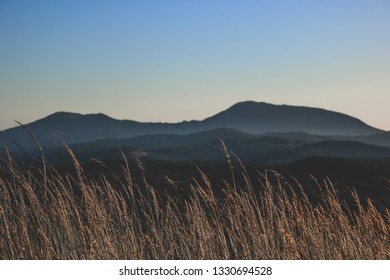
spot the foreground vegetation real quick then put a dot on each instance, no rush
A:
(48, 215)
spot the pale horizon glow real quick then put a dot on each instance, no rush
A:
(170, 61)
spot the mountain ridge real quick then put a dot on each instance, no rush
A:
(248, 117)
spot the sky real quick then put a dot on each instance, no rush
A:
(170, 61)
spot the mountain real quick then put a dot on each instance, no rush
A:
(259, 118)
(248, 117)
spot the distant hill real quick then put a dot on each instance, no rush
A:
(205, 146)
(248, 117)
(259, 118)
(160, 141)
(271, 150)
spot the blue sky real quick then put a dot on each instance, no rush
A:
(180, 60)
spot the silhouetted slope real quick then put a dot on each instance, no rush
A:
(67, 127)
(248, 117)
(261, 118)
(205, 146)
(271, 150)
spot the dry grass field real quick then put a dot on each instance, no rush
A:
(48, 215)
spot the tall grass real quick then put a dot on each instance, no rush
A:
(48, 215)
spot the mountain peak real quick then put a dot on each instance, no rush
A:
(69, 116)
(63, 115)
(250, 103)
